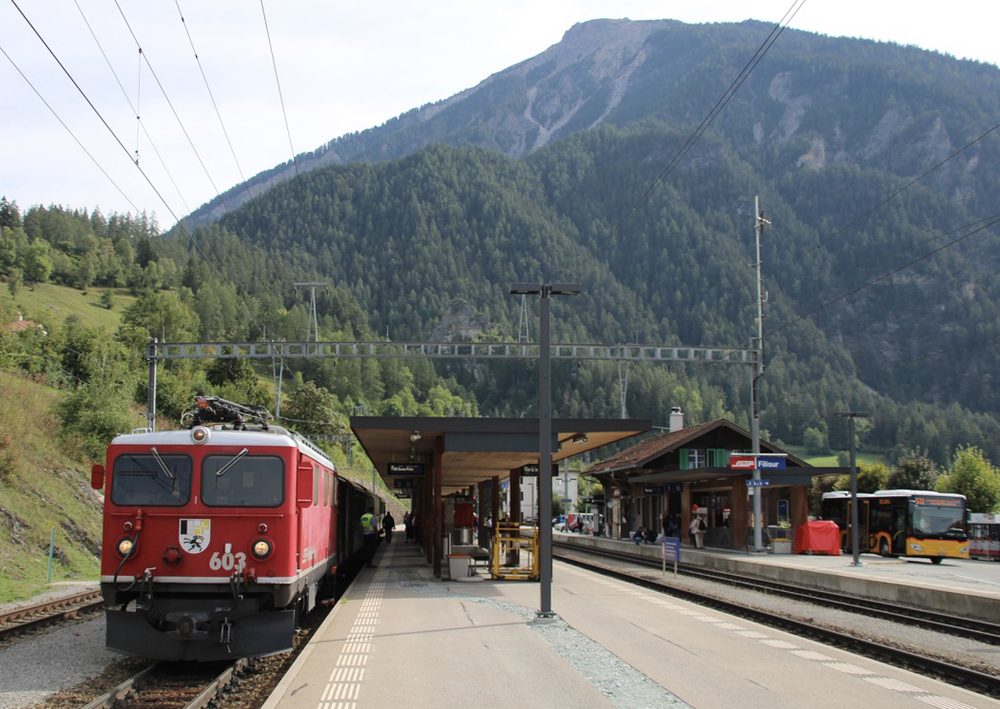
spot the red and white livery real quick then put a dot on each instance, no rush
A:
(216, 537)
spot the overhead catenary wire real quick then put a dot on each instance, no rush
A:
(215, 105)
(138, 167)
(710, 117)
(894, 271)
(277, 81)
(135, 109)
(68, 130)
(791, 396)
(905, 187)
(166, 97)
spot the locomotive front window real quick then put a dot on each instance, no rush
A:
(242, 481)
(151, 479)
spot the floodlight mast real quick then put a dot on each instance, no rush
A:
(544, 290)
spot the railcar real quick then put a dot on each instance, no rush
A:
(216, 537)
(984, 536)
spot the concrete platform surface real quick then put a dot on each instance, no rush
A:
(401, 637)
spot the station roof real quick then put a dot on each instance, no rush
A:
(477, 449)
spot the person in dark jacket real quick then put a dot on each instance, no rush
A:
(388, 524)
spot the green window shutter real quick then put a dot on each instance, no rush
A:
(684, 459)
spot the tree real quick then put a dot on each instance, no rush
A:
(972, 475)
(914, 471)
(37, 263)
(313, 409)
(93, 414)
(162, 315)
(235, 379)
(10, 216)
(815, 441)
(15, 279)
(871, 477)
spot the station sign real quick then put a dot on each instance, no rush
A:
(658, 489)
(749, 461)
(406, 468)
(531, 470)
(758, 483)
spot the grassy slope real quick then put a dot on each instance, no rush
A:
(46, 303)
(46, 486)
(830, 461)
(43, 489)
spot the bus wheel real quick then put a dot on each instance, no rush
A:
(883, 547)
(935, 559)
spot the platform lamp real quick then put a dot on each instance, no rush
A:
(544, 290)
(850, 416)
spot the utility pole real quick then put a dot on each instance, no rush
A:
(850, 416)
(622, 384)
(759, 222)
(312, 330)
(522, 325)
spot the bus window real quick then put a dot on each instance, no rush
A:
(938, 521)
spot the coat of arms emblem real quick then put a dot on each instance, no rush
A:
(195, 535)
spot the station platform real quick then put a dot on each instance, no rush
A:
(401, 637)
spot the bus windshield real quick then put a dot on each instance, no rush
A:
(151, 479)
(930, 521)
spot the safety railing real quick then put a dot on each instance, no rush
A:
(515, 555)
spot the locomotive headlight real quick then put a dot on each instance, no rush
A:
(125, 547)
(199, 434)
(261, 549)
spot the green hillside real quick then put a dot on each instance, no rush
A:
(43, 486)
(48, 303)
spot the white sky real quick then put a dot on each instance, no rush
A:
(344, 66)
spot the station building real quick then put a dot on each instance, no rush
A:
(686, 471)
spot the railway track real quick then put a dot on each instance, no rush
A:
(168, 685)
(30, 617)
(949, 624)
(951, 672)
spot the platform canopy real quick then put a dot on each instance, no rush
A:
(473, 450)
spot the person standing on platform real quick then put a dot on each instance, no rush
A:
(408, 526)
(693, 530)
(388, 524)
(369, 529)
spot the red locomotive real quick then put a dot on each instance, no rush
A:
(218, 536)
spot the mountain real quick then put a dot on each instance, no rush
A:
(623, 72)
(870, 160)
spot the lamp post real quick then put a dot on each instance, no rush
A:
(850, 416)
(544, 290)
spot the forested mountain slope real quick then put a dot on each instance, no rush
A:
(870, 303)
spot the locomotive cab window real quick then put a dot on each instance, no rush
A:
(152, 478)
(242, 480)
